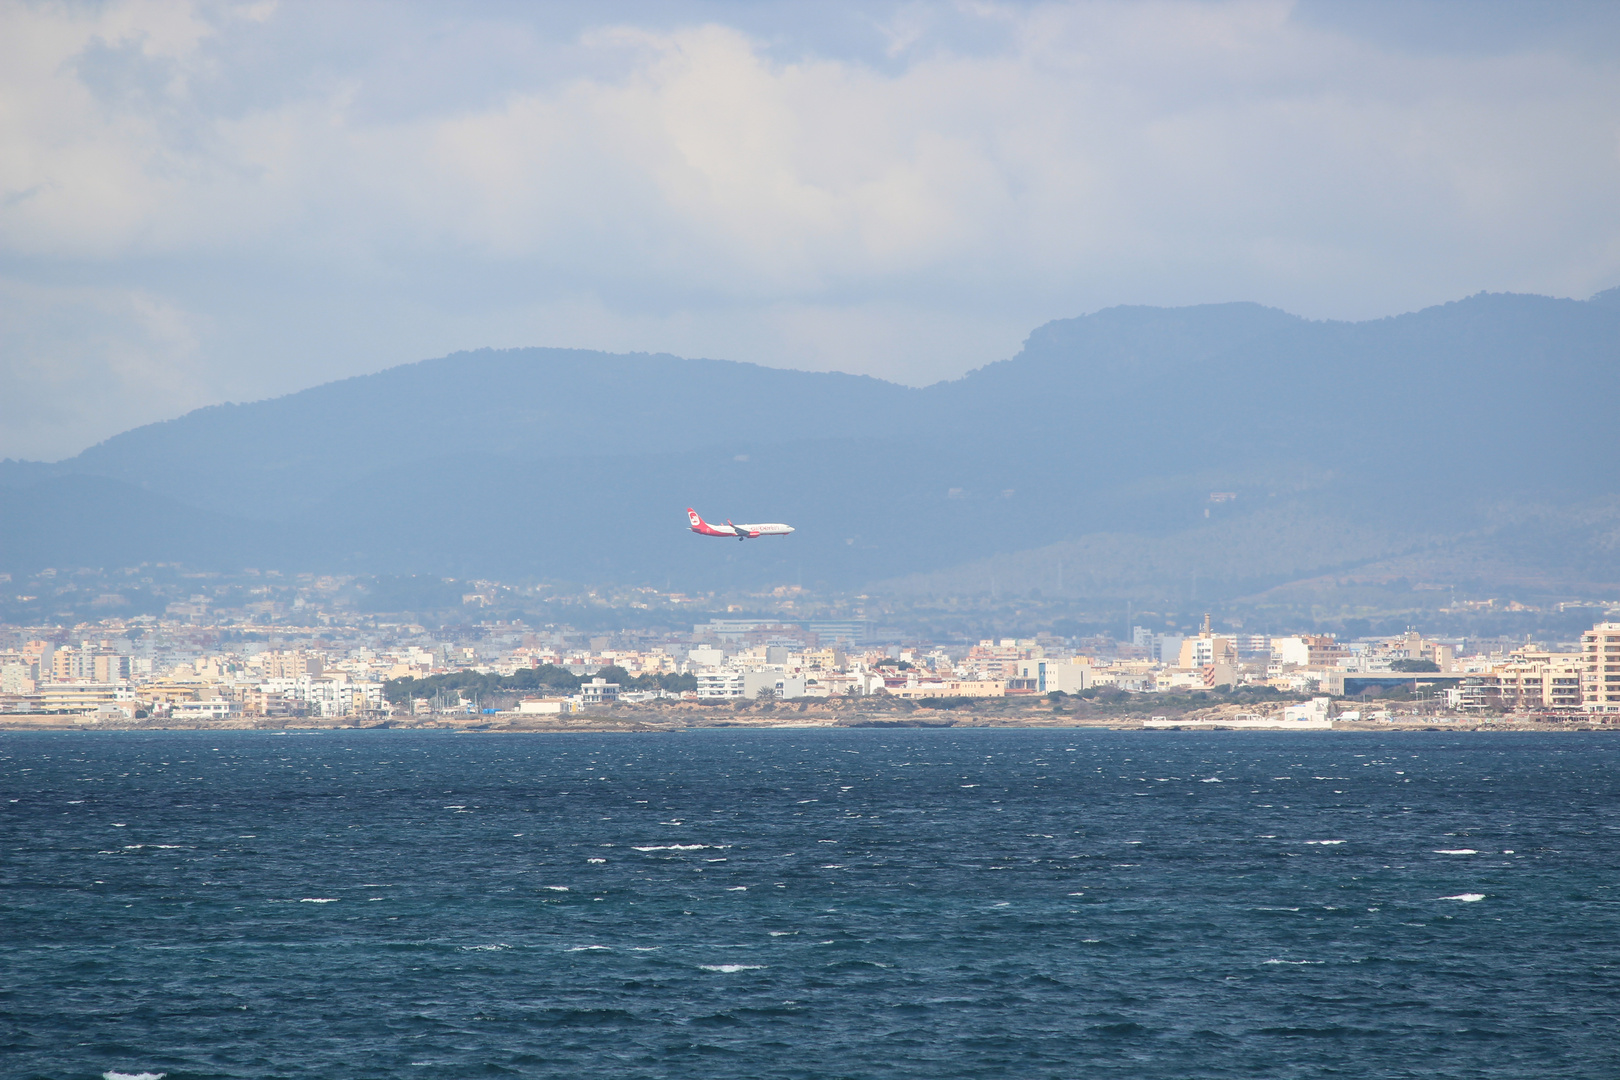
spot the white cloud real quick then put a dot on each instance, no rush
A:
(84, 362)
(333, 189)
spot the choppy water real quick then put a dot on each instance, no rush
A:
(810, 904)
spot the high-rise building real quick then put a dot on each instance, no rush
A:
(1600, 685)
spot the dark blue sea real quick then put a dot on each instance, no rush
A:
(796, 904)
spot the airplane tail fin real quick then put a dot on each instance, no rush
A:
(697, 521)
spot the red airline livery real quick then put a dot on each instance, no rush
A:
(728, 530)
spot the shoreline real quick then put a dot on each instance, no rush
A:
(684, 720)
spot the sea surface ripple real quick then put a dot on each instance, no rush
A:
(809, 903)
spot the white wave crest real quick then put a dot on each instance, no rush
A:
(1297, 963)
(728, 969)
(319, 900)
(1325, 843)
(1456, 851)
(1467, 897)
(670, 847)
(113, 1074)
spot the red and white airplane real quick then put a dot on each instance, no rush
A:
(741, 532)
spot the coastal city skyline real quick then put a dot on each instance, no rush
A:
(313, 659)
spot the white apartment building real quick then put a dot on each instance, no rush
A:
(724, 683)
(719, 683)
(782, 685)
(1312, 711)
(215, 709)
(330, 697)
(1048, 676)
(598, 692)
(705, 656)
(545, 706)
(16, 679)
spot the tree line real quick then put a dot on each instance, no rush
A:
(547, 678)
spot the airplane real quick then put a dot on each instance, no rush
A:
(741, 532)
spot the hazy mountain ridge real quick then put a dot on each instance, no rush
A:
(1345, 444)
(1291, 548)
(1238, 555)
(534, 402)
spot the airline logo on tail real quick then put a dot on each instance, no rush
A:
(728, 530)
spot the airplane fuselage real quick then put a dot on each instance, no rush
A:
(732, 531)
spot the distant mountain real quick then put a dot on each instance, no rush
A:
(521, 403)
(1607, 298)
(1333, 444)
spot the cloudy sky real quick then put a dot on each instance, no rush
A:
(203, 202)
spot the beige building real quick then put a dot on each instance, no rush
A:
(88, 665)
(926, 688)
(171, 693)
(1537, 681)
(82, 697)
(288, 664)
(1600, 682)
(824, 660)
(1308, 650)
(975, 687)
(1564, 685)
